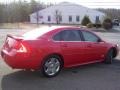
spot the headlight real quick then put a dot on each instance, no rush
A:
(117, 45)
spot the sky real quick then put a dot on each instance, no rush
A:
(87, 3)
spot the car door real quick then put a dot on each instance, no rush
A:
(94, 48)
(71, 46)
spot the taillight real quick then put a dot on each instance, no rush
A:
(22, 48)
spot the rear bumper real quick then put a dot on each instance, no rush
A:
(20, 60)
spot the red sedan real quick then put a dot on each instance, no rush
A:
(50, 49)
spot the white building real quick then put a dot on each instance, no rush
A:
(65, 13)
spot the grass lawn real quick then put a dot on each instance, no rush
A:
(18, 26)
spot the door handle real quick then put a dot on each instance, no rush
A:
(89, 45)
(64, 45)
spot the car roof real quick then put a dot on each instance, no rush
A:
(35, 33)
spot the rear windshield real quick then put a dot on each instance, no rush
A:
(34, 34)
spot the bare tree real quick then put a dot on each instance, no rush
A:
(112, 13)
(58, 16)
(19, 11)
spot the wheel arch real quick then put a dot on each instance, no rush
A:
(57, 54)
(114, 51)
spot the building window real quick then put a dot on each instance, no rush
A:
(49, 18)
(97, 20)
(70, 18)
(77, 18)
(60, 18)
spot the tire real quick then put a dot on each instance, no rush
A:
(52, 66)
(109, 57)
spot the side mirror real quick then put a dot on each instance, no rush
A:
(99, 40)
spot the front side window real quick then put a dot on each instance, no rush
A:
(88, 36)
(68, 35)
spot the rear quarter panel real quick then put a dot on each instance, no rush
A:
(41, 48)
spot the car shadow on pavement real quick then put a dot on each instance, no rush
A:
(87, 77)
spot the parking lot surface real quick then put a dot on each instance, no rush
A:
(97, 76)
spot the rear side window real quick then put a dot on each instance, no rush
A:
(68, 35)
(88, 36)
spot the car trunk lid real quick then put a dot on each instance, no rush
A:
(13, 42)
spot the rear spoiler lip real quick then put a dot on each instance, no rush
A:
(15, 37)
